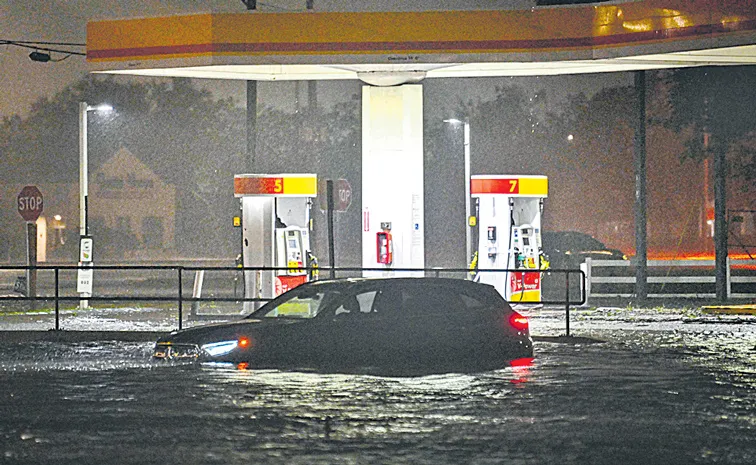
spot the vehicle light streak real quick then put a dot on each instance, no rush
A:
(521, 369)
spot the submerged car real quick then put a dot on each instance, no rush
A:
(388, 325)
(568, 249)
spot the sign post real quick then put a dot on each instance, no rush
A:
(338, 197)
(30, 204)
(85, 275)
(342, 195)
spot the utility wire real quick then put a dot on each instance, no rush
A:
(30, 45)
(30, 42)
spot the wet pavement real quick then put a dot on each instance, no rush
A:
(668, 386)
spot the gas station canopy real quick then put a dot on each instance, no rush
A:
(392, 48)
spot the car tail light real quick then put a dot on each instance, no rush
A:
(518, 322)
(244, 343)
(522, 362)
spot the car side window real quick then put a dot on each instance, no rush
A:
(356, 304)
(389, 302)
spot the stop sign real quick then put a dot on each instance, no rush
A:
(30, 203)
(342, 195)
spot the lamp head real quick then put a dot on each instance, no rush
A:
(103, 107)
(40, 57)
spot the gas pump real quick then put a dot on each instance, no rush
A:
(509, 210)
(527, 246)
(292, 249)
(276, 231)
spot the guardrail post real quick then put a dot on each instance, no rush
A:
(587, 268)
(57, 300)
(199, 278)
(567, 304)
(180, 298)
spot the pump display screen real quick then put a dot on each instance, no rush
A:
(525, 241)
(292, 244)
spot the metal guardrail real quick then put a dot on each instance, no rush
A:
(180, 297)
(591, 279)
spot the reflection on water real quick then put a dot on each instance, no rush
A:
(641, 398)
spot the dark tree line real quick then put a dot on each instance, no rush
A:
(187, 137)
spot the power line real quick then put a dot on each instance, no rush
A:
(31, 42)
(39, 54)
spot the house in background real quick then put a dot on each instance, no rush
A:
(131, 216)
(132, 212)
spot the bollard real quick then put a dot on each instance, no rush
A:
(180, 298)
(567, 304)
(57, 301)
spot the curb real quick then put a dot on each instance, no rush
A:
(747, 309)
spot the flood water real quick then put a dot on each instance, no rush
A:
(684, 394)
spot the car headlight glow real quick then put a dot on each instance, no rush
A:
(215, 349)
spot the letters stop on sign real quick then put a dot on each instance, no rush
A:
(30, 203)
(342, 195)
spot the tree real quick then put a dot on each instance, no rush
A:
(718, 101)
(191, 140)
(182, 133)
(324, 141)
(716, 104)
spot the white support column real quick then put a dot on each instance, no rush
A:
(392, 182)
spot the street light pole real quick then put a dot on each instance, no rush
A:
(83, 169)
(85, 291)
(84, 286)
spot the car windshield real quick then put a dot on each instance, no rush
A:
(304, 304)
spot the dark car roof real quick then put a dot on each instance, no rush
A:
(579, 245)
(419, 286)
(359, 283)
(570, 240)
